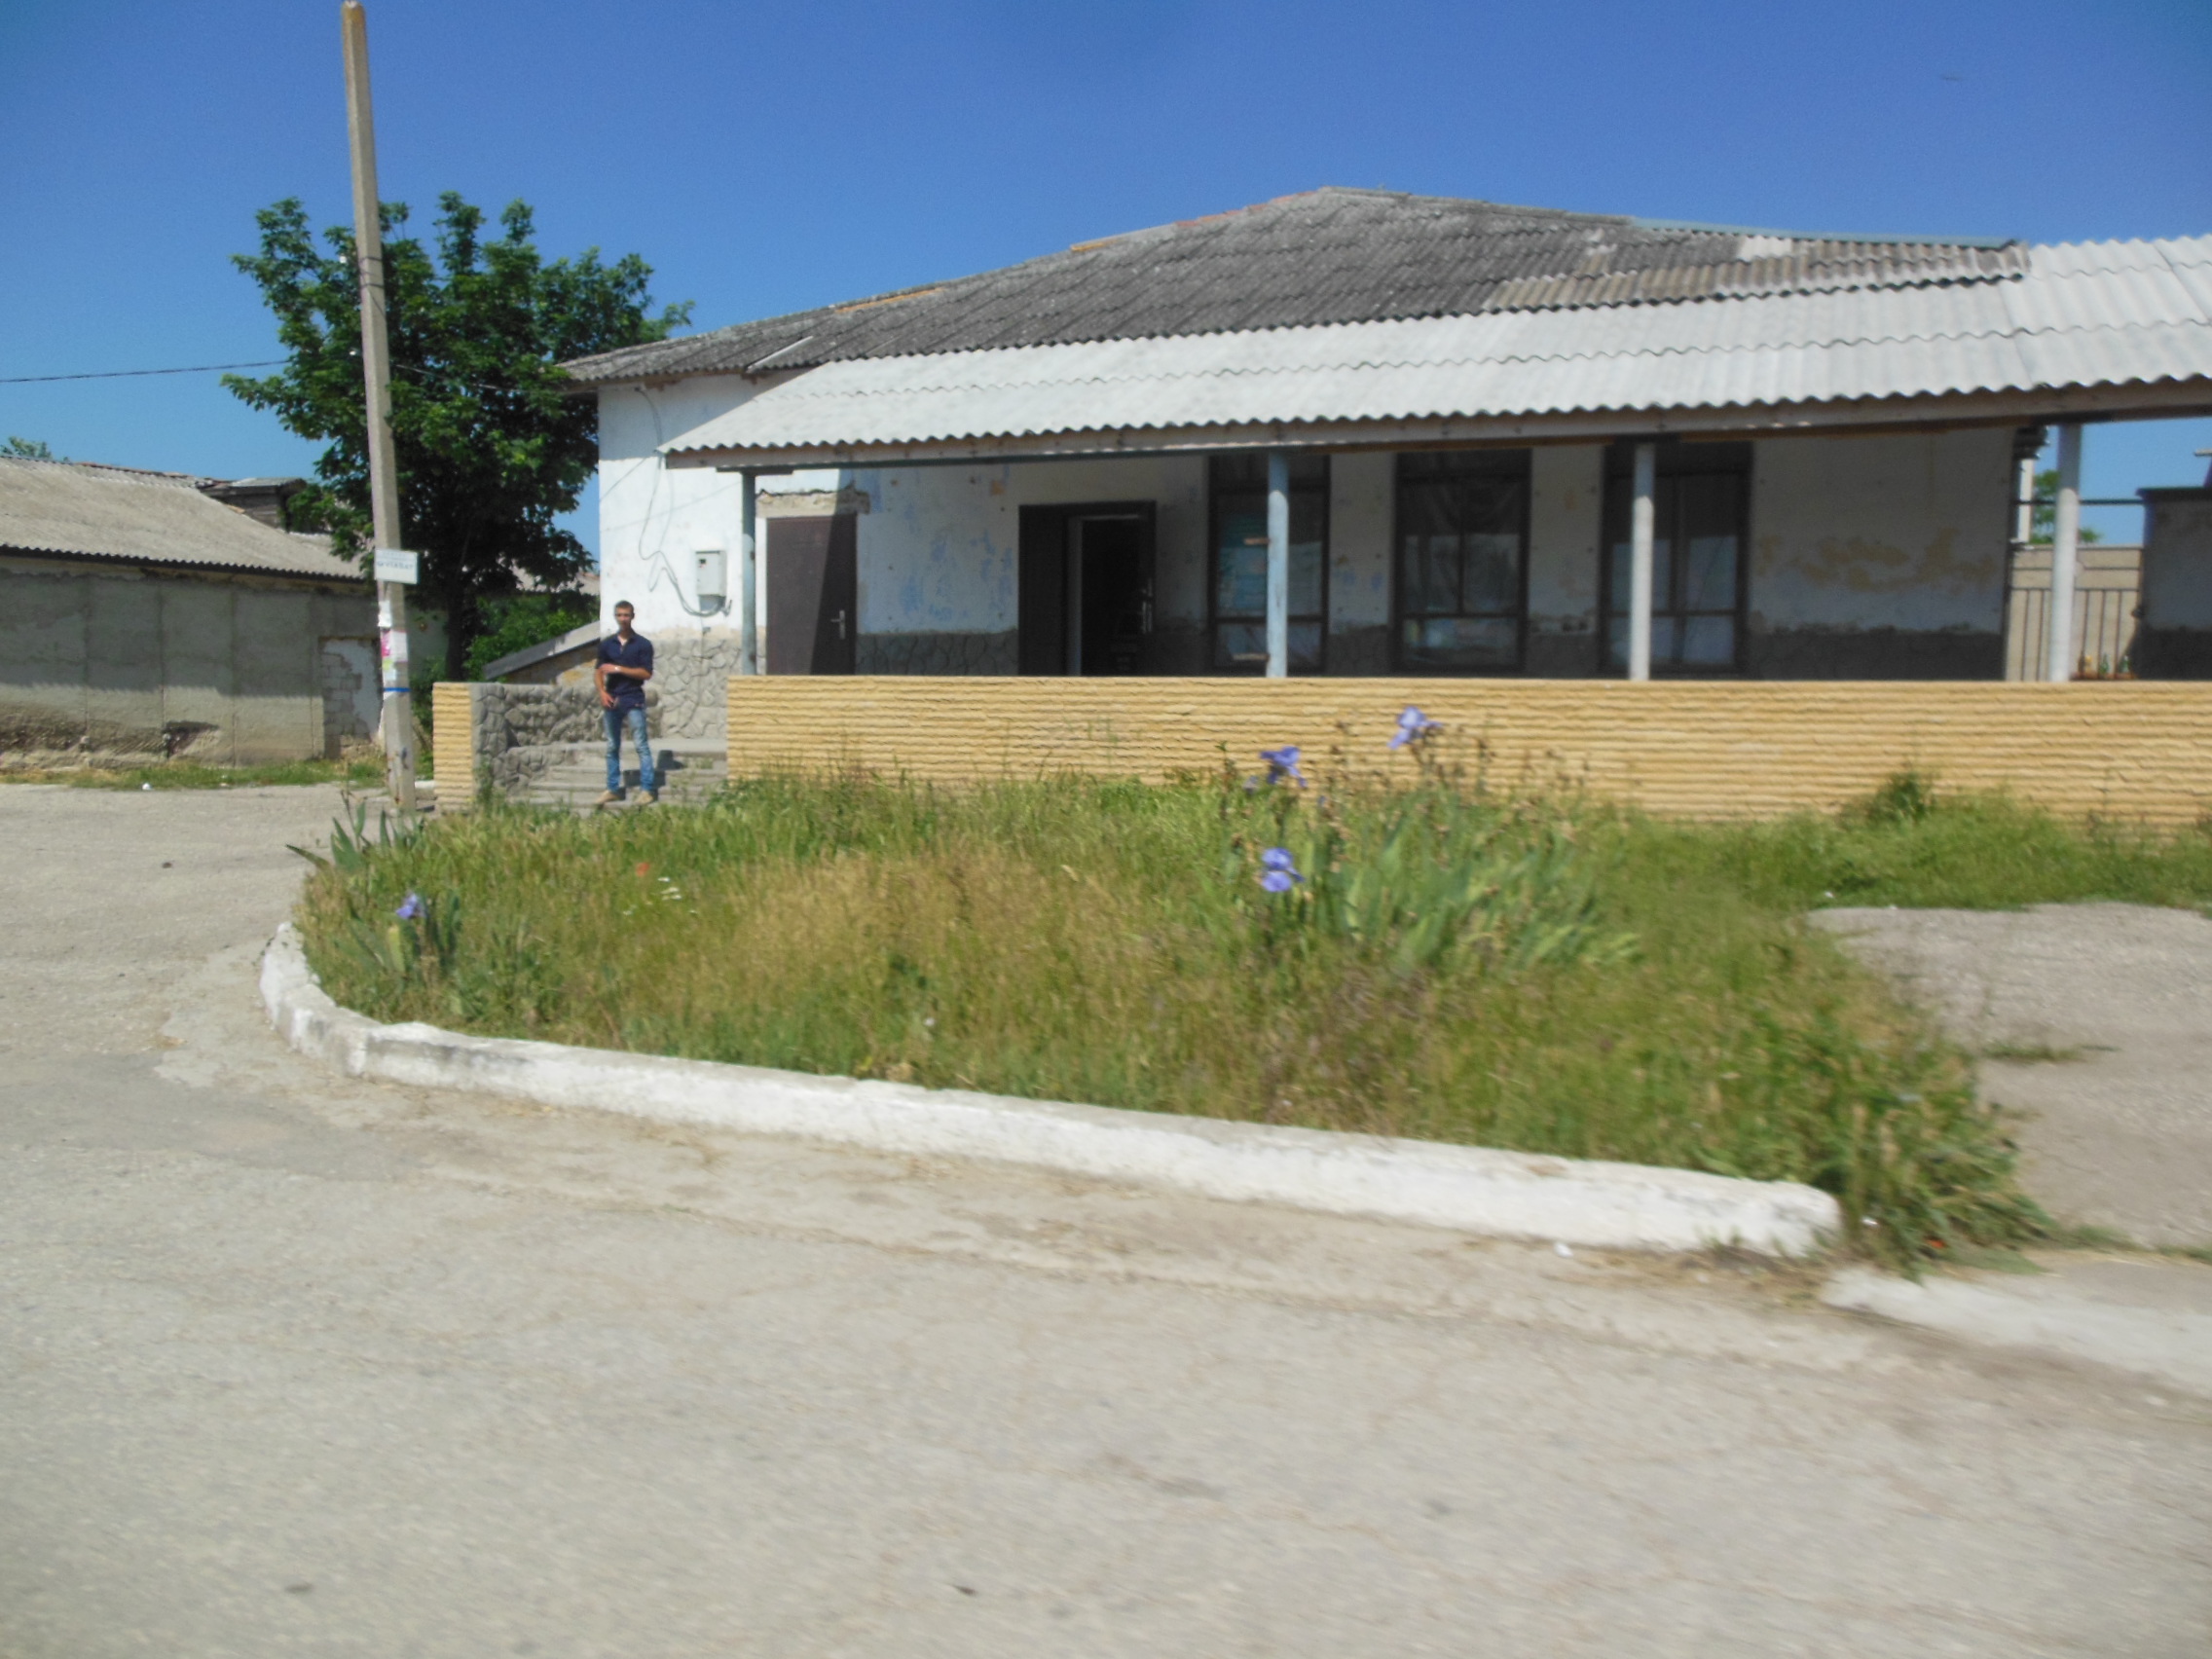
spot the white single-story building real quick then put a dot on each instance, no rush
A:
(1357, 432)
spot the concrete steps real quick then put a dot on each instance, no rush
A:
(687, 776)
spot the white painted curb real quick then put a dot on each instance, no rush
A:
(1628, 1207)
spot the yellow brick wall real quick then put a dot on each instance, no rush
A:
(452, 743)
(1697, 748)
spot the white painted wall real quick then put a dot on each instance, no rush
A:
(940, 547)
(1900, 531)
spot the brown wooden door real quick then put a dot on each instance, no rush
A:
(813, 594)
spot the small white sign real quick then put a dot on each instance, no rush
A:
(394, 565)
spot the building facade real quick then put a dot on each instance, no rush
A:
(1065, 468)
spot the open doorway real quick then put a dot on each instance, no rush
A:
(1085, 598)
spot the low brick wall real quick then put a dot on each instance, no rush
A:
(1701, 749)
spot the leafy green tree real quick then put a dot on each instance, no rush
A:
(26, 449)
(490, 448)
(2046, 525)
(525, 619)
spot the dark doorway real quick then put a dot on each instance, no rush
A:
(813, 594)
(1087, 588)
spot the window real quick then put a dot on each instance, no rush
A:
(1240, 496)
(1462, 561)
(1701, 503)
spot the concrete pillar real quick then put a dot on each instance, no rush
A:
(748, 589)
(1278, 564)
(2065, 555)
(1640, 523)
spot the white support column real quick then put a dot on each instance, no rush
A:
(2065, 555)
(1641, 522)
(1278, 564)
(748, 589)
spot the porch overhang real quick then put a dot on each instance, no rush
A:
(1851, 417)
(2079, 334)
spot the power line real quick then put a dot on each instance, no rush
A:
(125, 374)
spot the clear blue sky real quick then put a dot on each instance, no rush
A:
(769, 158)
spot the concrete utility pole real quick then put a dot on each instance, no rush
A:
(396, 729)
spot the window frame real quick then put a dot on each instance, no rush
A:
(1523, 460)
(1324, 488)
(1675, 459)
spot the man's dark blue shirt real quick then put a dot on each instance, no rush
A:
(628, 691)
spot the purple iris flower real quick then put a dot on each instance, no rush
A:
(410, 908)
(1278, 870)
(1412, 724)
(1283, 764)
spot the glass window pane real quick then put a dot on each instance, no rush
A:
(1240, 563)
(1244, 645)
(1306, 574)
(1709, 642)
(1662, 564)
(1494, 571)
(1663, 650)
(1711, 510)
(1240, 645)
(1428, 550)
(1459, 644)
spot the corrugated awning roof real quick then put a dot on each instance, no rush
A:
(156, 518)
(1327, 256)
(2105, 315)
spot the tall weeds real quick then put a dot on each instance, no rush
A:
(1410, 953)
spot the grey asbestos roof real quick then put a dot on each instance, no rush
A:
(2131, 316)
(158, 518)
(1324, 257)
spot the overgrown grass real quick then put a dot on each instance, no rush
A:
(191, 775)
(1609, 985)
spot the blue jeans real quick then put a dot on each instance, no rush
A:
(635, 719)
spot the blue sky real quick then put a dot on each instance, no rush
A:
(765, 159)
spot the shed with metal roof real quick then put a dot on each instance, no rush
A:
(142, 617)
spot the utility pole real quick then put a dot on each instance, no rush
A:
(397, 726)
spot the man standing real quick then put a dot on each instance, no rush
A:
(625, 664)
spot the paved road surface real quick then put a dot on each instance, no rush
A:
(291, 1366)
(2119, 1133)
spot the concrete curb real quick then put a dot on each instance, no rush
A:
(2172, 1344)
(1472, 1189)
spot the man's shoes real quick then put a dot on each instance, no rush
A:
(610, 798)
(649, 797)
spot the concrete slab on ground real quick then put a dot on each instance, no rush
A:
(2116, 1126)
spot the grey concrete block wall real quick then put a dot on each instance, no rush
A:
(107, 661)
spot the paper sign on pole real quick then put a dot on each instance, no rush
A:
(394, 565)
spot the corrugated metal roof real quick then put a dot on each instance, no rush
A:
(1328, 256)
(2105, 316)
(114, 512)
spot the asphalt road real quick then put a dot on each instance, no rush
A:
(2114, 1112)
(296, 1366)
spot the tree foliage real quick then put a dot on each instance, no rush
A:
(25, 448)
(490, 447)
(2046, 525)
